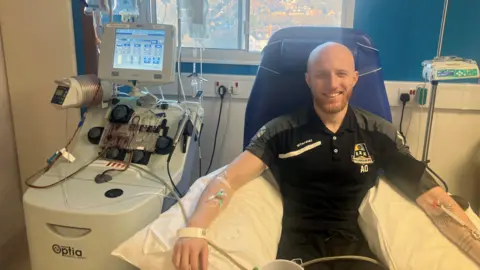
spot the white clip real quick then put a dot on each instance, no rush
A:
(67, 155)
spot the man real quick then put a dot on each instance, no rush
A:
(325, 158)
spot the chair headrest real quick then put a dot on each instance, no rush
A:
(290, 54)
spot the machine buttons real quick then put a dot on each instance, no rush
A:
(141, 157)
(138, 156)
(95, 134)
(112, 153)
(121, 114)
(114, 193)
(163, 145)
(115, 154)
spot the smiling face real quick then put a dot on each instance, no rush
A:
(331, 77)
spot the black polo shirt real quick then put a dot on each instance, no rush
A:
(324, 176)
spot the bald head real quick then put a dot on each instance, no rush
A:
(331, 77)
(328, 50)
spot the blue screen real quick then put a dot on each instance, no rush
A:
(139, 49)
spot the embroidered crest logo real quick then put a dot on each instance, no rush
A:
(361, 155)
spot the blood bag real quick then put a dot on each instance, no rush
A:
(96, 6)
(126, 7)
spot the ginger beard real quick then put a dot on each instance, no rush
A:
(332, 102)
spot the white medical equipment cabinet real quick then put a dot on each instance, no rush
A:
(105, 187)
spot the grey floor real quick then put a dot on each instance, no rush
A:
(19, 259)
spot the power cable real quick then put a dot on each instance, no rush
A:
(222, 90)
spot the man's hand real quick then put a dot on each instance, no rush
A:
(190, 254)
(460, 235)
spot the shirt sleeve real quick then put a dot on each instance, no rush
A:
(401, 169)
(264, 144)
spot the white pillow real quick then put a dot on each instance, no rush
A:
(403, 237)
(248, 229)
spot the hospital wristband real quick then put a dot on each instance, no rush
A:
(191, 232)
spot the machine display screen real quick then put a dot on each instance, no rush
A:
(59, 92)
(457, 73)
(60, 95)
(139, 49)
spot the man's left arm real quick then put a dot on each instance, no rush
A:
(412, 178)
(434, 202)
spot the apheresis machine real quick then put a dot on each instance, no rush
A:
(130, 150)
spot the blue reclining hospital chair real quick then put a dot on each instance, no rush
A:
(280, 85)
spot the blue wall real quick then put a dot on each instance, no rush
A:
(78, 32)
(405, 31)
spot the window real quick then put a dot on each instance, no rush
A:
(269, 16)
(222, 23)
(239, 29)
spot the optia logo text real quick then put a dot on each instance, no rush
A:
(67, 251)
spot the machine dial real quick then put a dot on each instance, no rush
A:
(138, 156)
(121, 114)
(95, 134)
(113, 153)
(163, 145)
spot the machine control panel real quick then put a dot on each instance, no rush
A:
(140, 134)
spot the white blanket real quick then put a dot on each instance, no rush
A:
(398, 232)
(403, 236)
(249, 229)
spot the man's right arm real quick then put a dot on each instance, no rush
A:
(191, 253)
(218, 193)
(259, 155)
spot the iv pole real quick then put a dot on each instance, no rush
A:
(433, 95)
(179, 59)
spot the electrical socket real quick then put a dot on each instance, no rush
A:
(232, 87)
(410, 92)
(421, 97)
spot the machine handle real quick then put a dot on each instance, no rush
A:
(67, 231)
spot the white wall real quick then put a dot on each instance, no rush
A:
(39, 48)
(454, 147)
(11, 211)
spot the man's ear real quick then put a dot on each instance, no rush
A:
(307, 78)
(355, 78)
